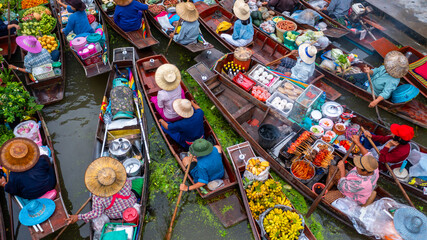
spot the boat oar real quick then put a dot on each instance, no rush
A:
(142, 128)
(107, 121)
(328, 184)
(11, 216)
(9, 44)
(78, 211)
(391, 172)
(174, 32)
(373, 98)
(278, 60)
(169, 233)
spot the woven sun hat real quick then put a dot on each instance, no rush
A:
(36, 211)
(396, 64)
(307, 53)
(367, 162)
(168, 77)
(123, 3)
(29, 44)
(241, 10)
(201, 147)
(183, 108)
(410, 223)
(19, 154)
(105, 177)
(187, 11)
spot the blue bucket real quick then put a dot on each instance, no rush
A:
(404, 93)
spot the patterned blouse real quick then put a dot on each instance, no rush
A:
(33, 60)
(358, 187)
(100, 204)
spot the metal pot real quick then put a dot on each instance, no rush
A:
(332, 110)
(120, 149)
(133, 167)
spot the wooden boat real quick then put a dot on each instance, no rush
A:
(4, 45)
(124, 59)
(239, 169)
(96, 66)
(135, 37)
(413, 111)
(194, 47)
(2, 226)
(146, 71)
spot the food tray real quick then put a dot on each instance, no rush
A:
(320, 141)
(271, 85)
(246, 83)
(305, 100)
(300, 179)
(289, 92)
(283, 154)
(282, 96)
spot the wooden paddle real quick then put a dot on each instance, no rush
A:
(78, 211)
(328, 184)
(391, 172)
(9, 44)
(169, 233)
(373, 97)
(174, 32)
(278, 60)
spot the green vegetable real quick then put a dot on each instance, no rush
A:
(254, 15)
(5, 134)
(257, 22)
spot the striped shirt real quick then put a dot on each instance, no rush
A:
(33, 60)
(100, 204)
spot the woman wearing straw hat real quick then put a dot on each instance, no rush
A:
(190, 127)
(36, 56)
(128, 14)
(112, 192)
(385, 79)
(78, 22)
(190, 26)
(302, 68)
(243, 32)
(168, 78)
(31, 175)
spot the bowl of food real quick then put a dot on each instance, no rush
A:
(329, 135)
(317, 130)
(303, 170)
(326, 124)
(339, 128)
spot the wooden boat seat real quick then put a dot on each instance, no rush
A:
(370, 199)
(243, 110)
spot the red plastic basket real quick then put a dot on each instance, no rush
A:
(244, 82)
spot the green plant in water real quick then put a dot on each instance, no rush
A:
(226, 208)
(223, 233)
(6, 75)
(5, 134)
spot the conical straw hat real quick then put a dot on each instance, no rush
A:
(187, 11)
(19, 154)
(105, 177)
(241, 10)
(183, 108)
(168, 77)
(396, 64)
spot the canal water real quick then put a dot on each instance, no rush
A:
(72, 125)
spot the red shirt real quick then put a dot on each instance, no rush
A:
(396, 155)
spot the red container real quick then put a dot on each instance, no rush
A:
(130, 215)
(244, 82)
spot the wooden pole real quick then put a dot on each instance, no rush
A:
(174, 32)
(12, 228)
(373, 98)
(391, 172)
(9, 44)
(278, 60)
(78, 211)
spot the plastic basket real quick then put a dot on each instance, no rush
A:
(271, 86)
(244, 82)
(288, 43)
(107, 225)
(43, 72)
(281, 96)
(285, 208)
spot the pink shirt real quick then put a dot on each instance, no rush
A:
(358, 187)
(165, 100)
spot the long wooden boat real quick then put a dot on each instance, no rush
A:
(413, 111)
(98, 67)
(4, 45)
(146, 72)
(239, 168)
(137, 37)
(124, 59)
(2, 226)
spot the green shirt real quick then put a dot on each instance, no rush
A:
(383, 83)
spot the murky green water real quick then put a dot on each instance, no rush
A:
(72, 124)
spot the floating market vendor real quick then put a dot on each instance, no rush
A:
(112, 192)
(243, 30)
(128, 14)
(31, 174)
(385, 79)
(168, 78)
(187, 129)
(394, 148)
(13, 26)
(206, 167)
(302, 68)
(78, 22)
(337, 9)
(358, 184)
(283, 5)
(189, 31)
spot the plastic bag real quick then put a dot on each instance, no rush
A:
(28, 129)
(260, 177)
(307, 16)
(328, 65)
(99, 222)
(318, 4)
(419, 169)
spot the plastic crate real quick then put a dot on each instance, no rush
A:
(271, 86)
(244, 82)
(43, 72)
(281, 96)
(323, 57)
(107, 225)
(304, 103)
(290, 44)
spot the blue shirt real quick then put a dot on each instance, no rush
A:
(243, 31)
(302, 71)
(77, 22)
(383, 83)
(129, 18)
(188, 129)
(208, 168)
(188, 34)
(339, 8)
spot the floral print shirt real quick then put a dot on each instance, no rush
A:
(358, 187)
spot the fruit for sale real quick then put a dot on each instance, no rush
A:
(48, 42)
(282, 224)
(255, 166)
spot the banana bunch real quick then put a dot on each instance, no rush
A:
(282, 224)
(255, 166)
(256, 208)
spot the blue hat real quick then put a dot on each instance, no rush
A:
(410, 223)
(36, 211)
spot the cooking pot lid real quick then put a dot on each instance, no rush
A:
(332, 109)
(120, 146)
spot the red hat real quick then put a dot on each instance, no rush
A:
(403, 131)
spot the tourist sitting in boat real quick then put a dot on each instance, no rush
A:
(112, 192)
(243, 30)
(394, 148)
(187, 129)
(168, 78)
(189, 31)
(78, 22)
(283, 5)
(128, 14)
(338, 9)
(31, 174)
(36, 56)
(358, 184)
(302, 68)
(385, 79)
(205, 167)
(13, 26)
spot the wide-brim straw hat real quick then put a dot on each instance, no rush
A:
(201, 147)
(367, 162)
(187, 11)
(183, 108)
(410, 223)
(168, 77)
(29, 44)
(123, 3)
(105, 177)
(19, 154)
(241, 10)
(396, 64)
(307, 53)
